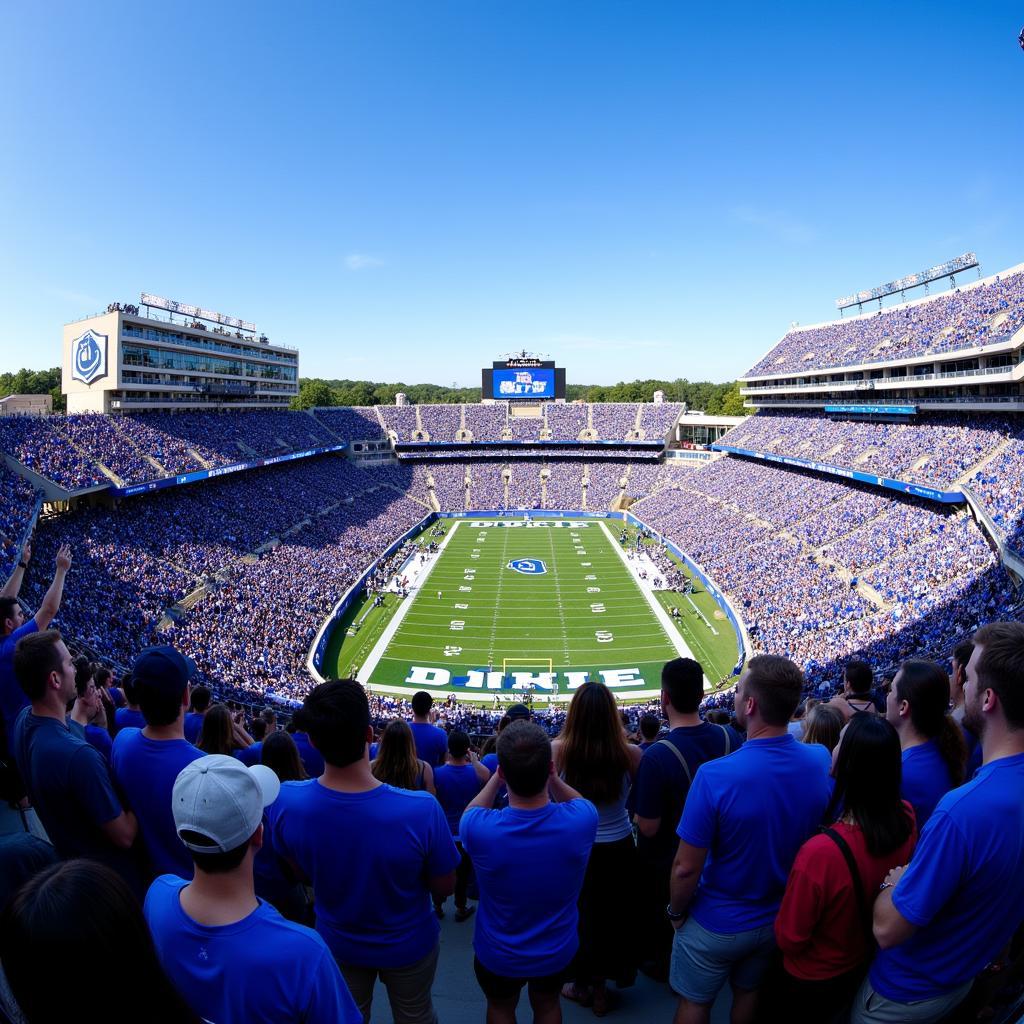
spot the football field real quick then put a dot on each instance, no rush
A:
(510, 605)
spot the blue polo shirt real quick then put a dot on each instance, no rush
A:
(752, 811)
(925, 779)
(963, 889)
(251, 754)
(431, 742)
(530, 867)
(145, 771)
(456, 785)
(12, 696)
(69, 784)
(369, 856)
(261, 970)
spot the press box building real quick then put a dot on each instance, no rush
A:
(167, 355)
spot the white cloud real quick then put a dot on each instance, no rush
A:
(362, 261)
(776, 222)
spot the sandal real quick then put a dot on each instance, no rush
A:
(585, 997)
(463, 913)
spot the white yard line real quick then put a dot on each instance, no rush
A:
(674, 636)
(367, 668)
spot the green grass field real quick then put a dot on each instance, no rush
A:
(584, 613)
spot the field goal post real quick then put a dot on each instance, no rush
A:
(534, 664)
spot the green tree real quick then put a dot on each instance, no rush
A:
(732, 403)
(313, 391)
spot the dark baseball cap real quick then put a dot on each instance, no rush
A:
(163, 669)
(518, 711)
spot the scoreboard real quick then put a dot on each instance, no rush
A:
(523, 377)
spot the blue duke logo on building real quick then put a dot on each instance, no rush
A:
(89, 357)
(527, 566)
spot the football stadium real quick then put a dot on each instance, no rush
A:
(326, 702)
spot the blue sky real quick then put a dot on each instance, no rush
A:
(405, 190)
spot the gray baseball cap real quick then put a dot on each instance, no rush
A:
(220, 798)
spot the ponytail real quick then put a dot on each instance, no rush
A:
(953, 749)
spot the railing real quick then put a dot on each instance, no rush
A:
(984, 371)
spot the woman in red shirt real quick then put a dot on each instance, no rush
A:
(824, 924)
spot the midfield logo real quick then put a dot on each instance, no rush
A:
(528, 566)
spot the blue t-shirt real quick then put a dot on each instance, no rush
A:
(251, 754)
(925, 779)
(100, 739)
(661, 784)
(128, 718)
(456, 785)
(12, 696)
(431, 742)
(369, 856)
(69, 784)
(963, 889)
(260, 970)
(193, 726)
(530, 867)
(311, 759)
(490, 762)
(752, 811)
(145, 771)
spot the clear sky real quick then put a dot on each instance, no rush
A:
(405, 190)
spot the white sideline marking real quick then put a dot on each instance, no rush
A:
(675, 638)
(367, 668)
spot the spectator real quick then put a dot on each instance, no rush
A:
(233, 956)
(431, 742)
(957, 680)
(201, 697)
(276, 881)
(311, 758)
(218, 734)
(130, 716)
(253, 754)
(824, 923)
(13, 626)
(92, 704)
(933, 747)
(396, 762)
(457, 782)
(941, 919)
(858, 681)
(531, 941)
(768, 796)
(147, 761)
(490, 758)
(663, 781)
(375, 856)
(85, 908)
(650, 726)
(66, 778)
(594, 757)
(823, 725)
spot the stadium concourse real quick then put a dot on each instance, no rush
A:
(875, 552)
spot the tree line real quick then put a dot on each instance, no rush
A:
(714, 399)
(34, 382)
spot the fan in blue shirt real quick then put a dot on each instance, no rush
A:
(232, 956)
(147, 761)
(745, 818)
(431, 742)
(941, 919)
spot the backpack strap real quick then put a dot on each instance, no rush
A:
(858, 887)
(679, 755)
(728, 740)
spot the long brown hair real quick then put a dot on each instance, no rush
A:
(217, 735)
(593, 752)
(280, 754)
(396, 762)
(925, 686)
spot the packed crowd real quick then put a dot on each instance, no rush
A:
(965, 318)
(69, 450)
(17, 505)
(351, 423)
(789, 548)
(241, 871)
(935, 450)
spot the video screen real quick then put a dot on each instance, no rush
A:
(533, 383)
